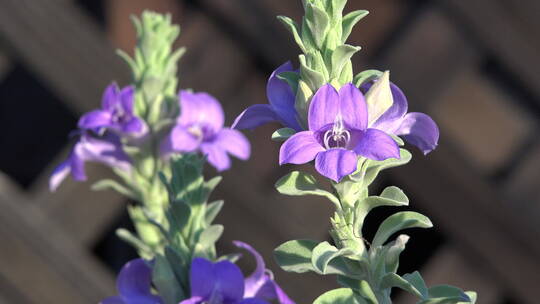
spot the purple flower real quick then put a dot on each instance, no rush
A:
(338, 133)
(281, 107)
(134, 285)
(106, 149)
(116, 113)
(200, 127)
(223, 283)
(416, 128)
(260, 284)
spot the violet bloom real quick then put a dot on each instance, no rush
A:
(200, 127)
(223, 283)
(338, 133)
(281, 107)
(416, 128)
(106, 149)
(116, 113)
(134, 285)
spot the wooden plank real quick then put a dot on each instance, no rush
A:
(517, 48)
(37, 254)
(449, 266)
(482, 119)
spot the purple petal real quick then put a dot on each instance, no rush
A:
(420, 130)
(258, 278)
(390, 120)
(234, 143)
(254, 116)
(134, 126)
(324, 107)
(181, 140)
(126, 97)
(216, 155)
(271, 291)
(95, 119)
(336, 163)
(200, 109)
(229, 281)
(202, 278)
(282, 98)
(192, 300)
(253, 301)
(377, 145)
(113, 300)
(110, 97)
(76, 162)
(300, 148)
(106, 150)
(58, 175)
(135, 279)
(353, 108)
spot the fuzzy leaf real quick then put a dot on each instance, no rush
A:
(165, 281)
(299, 183)
(366, 76)
(212, 210)
(283, 134)
(109, 184)
(339, 296)
(393, 280)
(394, 251)
(379, 97)
(341, 55)
(292, 26)
(324, 253)
(372, 168)
(349, 21)
(367, 293)
(210, 236)
(397, 222)
(318, 23)
(445, 294)
(314, 79)
(291, 78)
(295, 256)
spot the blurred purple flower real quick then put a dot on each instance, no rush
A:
(134, 285)
(223, 283)
(116, 113)
(260, 283)
(200, 127)
(281, 107)
(416, 128)
(106, 149)
(338, 133)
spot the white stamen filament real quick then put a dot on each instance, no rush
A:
(338, 134)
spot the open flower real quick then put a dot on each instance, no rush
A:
(134, 285)
(281, 107)
(116, 113)
(223, 283)
(416, 128)
(106, 149)
(200, 127)
(338, 133)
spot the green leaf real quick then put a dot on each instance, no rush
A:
(341, 55)
(318, 23)
(346, 73)
(210, 236)
(295, 256)
(179, 265)
(367, 293)
(445, 294)
(416, 280)
(128, 237)
(283, 134)
(292, 26)
(394, 251)
(349, 21)
(212, 210)
(379, 98)
(391, 196)
(165, 281)
(324, 253)
(366, 76)
(178, 216)
(109, 184)
(299, 183)
(372, 167)
(393, 280)
(301, 103)
(339, 296)
(472, 295)
(314, 79)
(291, 78)
(397, 222)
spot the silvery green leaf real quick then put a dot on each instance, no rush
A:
(391, 196)
(299, 183)
(393, 280)
(312, 78)
(397, 222)
(212, 210)
(337, 7)
(324, 253)
(349, 21)
(394, 250)
(178, 216)
(165, 281)
(339, 296)
(472, 295)
(125, 235)
(366, 76)
(372, 168)
(301, 104)
(295, 256)
(232, 257)
(379, 98)
(346, 75)
(418, 282)
(292, 26)
(318, 22)
(445, 294)
(283, 134)
(367, 293)
(109, 184)
(179, 265)
(341, 55)
(291, 78)
(210, 236)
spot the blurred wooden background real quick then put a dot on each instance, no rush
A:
(473, 65)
